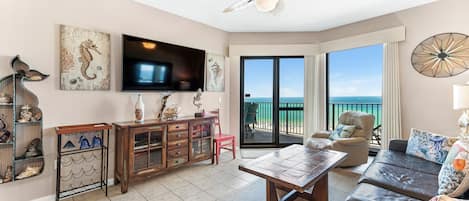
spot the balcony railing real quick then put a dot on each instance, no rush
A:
(291, 117)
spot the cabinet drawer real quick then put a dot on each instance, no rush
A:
(177, 127)
(148, 129)
(177, 153)
(177, 161)
(175, 136)
(177, 144)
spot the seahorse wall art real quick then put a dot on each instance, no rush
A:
(84, 59)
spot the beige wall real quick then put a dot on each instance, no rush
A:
(426, 102)
(30, 28)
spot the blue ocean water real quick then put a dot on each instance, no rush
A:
(336, 100)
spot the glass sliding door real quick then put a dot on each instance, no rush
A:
(291, 92)
(257, 119)
(355, 84)
(271, 101)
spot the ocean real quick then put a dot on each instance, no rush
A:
(294, 117)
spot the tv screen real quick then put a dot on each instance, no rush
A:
(158, 66)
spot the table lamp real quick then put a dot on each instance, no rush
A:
(461, 102)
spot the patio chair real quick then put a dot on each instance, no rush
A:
(357, 145)
(250, 112)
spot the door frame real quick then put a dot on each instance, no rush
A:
(275, 103)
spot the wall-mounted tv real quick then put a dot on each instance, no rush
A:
(157, 66)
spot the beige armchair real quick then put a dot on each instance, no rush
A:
(356, 146)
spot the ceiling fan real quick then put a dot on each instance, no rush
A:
(261, 5)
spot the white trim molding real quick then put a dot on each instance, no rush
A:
(395, 34)
(273, 50)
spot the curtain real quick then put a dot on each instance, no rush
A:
(315, 95)
(391, 119)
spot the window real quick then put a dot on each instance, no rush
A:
(355, 84)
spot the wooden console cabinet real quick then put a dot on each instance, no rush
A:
(153, 147)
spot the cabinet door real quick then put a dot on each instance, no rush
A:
(149, 147)
(205, 130)
(201, 140)
(140, 142)
(157, 147)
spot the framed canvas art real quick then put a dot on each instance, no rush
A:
(215, 73)
(85, 58)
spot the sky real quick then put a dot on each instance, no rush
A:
(353, 72)
(259, 75)
(356, 72)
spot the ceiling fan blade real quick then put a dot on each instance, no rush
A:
(240, 4)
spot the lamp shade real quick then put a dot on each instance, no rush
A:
(460, 97)
(266, 5)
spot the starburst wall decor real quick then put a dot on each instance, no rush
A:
(442, 55)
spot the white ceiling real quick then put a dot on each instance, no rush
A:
(291, 15)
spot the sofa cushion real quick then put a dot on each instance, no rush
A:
(401, 180)
(453, 179)
(429, 146)
(368, 192)
(410, 162)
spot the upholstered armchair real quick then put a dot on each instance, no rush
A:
(356, 145)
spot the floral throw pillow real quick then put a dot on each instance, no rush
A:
(429, 146)
(453, 179)
(342, 131)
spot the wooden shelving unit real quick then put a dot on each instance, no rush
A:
(22, 133)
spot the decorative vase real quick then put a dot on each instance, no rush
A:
(139, 109)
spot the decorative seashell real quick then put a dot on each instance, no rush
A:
(29, 172)
(5, 98)
(8, 174)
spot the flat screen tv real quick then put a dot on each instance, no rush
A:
(156, 66)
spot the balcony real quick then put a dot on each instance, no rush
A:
(291, 125)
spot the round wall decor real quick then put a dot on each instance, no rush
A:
(442, 55)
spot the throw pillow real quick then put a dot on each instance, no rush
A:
(429, 146)
(453, 179)
(342, 131)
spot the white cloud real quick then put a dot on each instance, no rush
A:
(356, 87)
(289, 92)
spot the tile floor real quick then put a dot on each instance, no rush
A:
(206, 182)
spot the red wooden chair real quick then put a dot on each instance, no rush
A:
(220, 140)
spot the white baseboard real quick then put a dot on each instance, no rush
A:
(46, 198)
(52, 197)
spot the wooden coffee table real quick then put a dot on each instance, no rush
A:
(301, 170)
